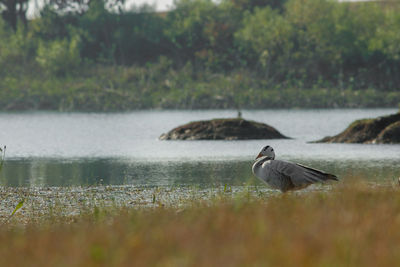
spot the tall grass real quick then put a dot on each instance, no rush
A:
(352, 225)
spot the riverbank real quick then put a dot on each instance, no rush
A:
(42, 203)
(352, 224)
(108, 88)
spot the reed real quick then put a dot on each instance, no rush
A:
(2, 156)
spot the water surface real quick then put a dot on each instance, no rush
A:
(63, 149)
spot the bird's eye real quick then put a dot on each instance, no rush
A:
(272, 150)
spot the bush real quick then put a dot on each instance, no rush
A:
(59, 57)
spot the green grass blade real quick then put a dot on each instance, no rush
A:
(19, 205)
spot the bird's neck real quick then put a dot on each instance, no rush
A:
(259, 162)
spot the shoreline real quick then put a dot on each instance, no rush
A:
(339, 225)
(72, 99)
(64, 204)
(42, 203)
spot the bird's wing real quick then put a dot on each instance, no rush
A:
(324, 175)
(300, 175)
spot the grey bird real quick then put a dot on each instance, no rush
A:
(285, 175)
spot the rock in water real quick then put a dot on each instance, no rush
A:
(223, 129)
(384, 130)
(390, 135)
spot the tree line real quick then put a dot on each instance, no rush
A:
(285, 44)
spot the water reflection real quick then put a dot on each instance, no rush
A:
(52, 172)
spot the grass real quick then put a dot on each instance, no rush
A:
(353, 224)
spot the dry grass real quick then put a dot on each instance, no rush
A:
(352, 225)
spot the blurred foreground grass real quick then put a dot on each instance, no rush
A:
(352, 224)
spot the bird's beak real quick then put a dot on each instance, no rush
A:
(259, 155)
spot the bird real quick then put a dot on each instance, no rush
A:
(284, 175)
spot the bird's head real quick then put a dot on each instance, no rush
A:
(266, 151)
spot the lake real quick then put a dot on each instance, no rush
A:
(68, 149)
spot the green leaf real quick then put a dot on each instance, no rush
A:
(19, 205)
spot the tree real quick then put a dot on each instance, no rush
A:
(82, 6)
(186, 27)
(14, 10)
(252, 4)
(201, 32)
(267, 34)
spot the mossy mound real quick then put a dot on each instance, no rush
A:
(391, 134)
(223, 129)
(384, 130)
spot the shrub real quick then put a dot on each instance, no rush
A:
(59, 57)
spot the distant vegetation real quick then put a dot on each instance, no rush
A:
(94, 55)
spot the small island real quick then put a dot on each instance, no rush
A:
(223, 129)
(382, 130)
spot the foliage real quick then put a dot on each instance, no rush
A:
(59, 57)
(219, 54)
(268, 34)
(13, 12)
(16, 48)
(113, 88)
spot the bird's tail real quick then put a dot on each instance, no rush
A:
(318, 175)
(331, 177)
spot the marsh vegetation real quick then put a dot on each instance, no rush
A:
(352, 223)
